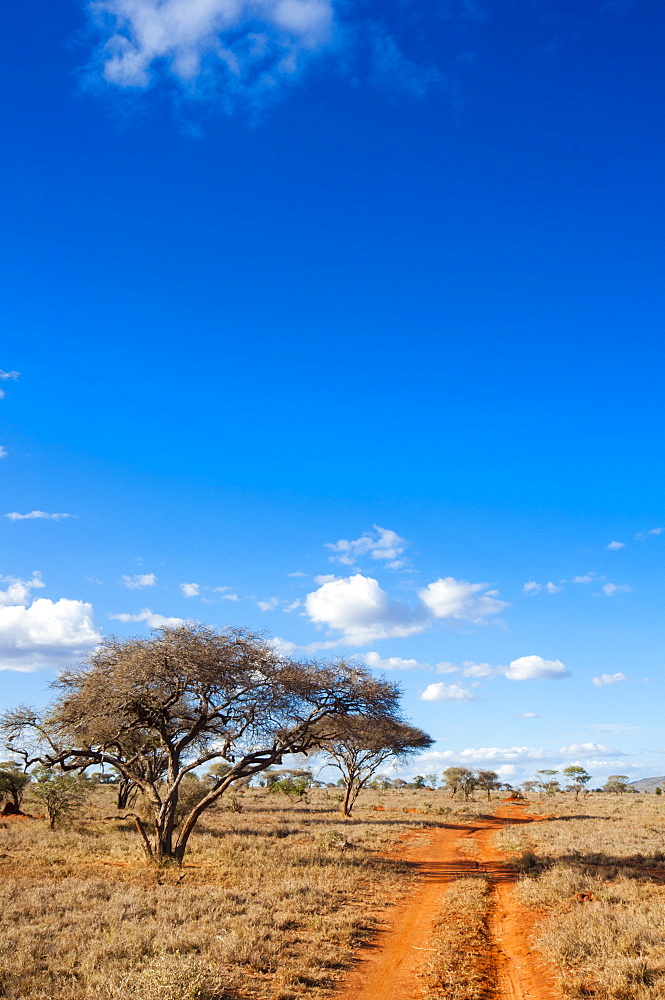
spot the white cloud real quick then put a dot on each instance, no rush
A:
(446, 668)
(190, 589)
(324, 578)
(151, 619)
(605, 679)
(587, 578)
(288, 648)
(391, 662)
(461, 601)
(139, 580)
(614, 546)
(446, 692)
(45, 634)
(610, 589)
(535, 668)
(357, 607)
(534, 588)
(643, 535)
(18, 591)
(242, 49)
(482, 670)
(8, 375)
(269, 605)
(577, 749)
(3, 451)
(37, 515)
(488, 754)
(528, 715)
(384, 545)
(298, 573)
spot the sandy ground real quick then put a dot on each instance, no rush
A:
(388, 968)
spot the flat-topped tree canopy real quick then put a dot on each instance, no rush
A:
(359, 746)
(184, 697)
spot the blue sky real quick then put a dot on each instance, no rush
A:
(344, 322)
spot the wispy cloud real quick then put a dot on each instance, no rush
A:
(615, 546)
(228, 50)
(381, 544)
(3, 451)
(139, 580)
(604, 679)
(535, 588)
(642, 536)
(151, 619)
(612, 589)
(37, 515)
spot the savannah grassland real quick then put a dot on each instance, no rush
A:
(274, 900)
(593, 872)
(271, 903)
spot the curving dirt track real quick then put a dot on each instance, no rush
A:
(388, 968)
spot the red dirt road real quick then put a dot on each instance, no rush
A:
(388, 968)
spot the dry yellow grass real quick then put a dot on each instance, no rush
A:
(271, 902)
(596, 875)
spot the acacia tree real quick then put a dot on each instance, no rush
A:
(578, 778)
(488, 781)
(359, 746)
(13, 782)
(617, 784)
(459, 779)
(196, 696)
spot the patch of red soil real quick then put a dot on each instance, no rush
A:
(388, 968)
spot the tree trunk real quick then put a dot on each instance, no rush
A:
(347, 805)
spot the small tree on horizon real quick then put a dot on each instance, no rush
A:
(359, 747)
(488, 781)
(459, 779)
(616, 784)
(548, 784)
(13, 783)
(578, 778)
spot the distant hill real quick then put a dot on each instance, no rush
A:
(648, 784)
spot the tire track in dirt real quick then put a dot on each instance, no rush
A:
(387, 969)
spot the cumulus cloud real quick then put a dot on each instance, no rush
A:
(461, 601)
(190, 589)
(614, 546)
(35, 515)
(391, 662)
(139, 580)
(239, 49)
(381, 544)
(357, 607)
(446, 692)
(535, 668)
(45, 634)
(611, 589)
(587, 578)
(151, 619)
(605, 679)
(18, 591)
(583, 749)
